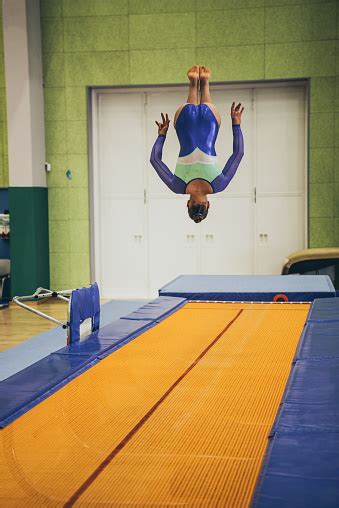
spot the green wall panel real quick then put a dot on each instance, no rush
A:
(235, 63)
(52, 35)
(58, 204)
(321, 165)
(78, 236)
(336, 165)
(2, 71)
(294, 2)
(3, 111)
(55, 137)
(321, 130)
(78, 164)
(97, 33)
(162, 31)
(336, 132)
(321, 232)
(55, 104)
(79, 269)
(160, 66)
(300, 59)
(78, 204)
(160, 6)
(322, 96)
(76, 103)
(53, 69)
(76, 8)
(207, 5)
(97, 68)
(321, 200)
(336, 201)
(336, 232)
(300, 23)
(246, 27)
(60, 270)
(57, 177)
(59, 236)
(337, 94)
(50, 8)
(77, 137)
(29, 239)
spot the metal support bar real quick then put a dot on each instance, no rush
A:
(39, 294)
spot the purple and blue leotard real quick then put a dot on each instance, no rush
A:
(197, 130)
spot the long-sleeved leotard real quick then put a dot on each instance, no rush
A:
(197, 131)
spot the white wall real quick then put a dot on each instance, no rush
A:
(24, 92)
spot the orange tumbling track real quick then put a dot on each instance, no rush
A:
(178, 417)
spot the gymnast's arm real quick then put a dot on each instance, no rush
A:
(160, 167)
(238, 151)
(222, 181)
(174, 183)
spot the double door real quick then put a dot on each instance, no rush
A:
(143, 235)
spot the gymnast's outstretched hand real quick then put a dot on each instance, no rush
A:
(236, 112)
(163, 125)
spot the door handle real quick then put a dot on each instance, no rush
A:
(137, 238)
(190, 238)
(209, 238)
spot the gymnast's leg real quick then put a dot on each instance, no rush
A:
(205, 97)
(193, 96)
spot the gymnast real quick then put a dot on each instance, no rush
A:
(197, 125)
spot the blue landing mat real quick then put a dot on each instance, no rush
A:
(301, 466)
(27, 388)
(262, 288)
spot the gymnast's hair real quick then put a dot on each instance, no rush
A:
(198, 212)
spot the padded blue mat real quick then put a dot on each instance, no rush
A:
(22, 391)
(250, 287)
(303, 472)
(301, 466)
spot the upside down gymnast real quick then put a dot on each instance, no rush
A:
(197, 125)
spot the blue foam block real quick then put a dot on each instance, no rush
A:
(320, 341)
(302, 472)
(249, 287)
(315, 381)
(157, 309)
(325, 310)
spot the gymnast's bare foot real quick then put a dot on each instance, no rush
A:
(204, 73)
(193, 73)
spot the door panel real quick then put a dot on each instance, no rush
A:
(279, 231)
(227, 237)
(157, 103)
(122, 151)
(280, 139)
(123, 249)
(174, 241)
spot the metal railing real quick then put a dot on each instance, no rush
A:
(40, 294)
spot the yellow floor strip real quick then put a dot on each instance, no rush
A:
(203, 444)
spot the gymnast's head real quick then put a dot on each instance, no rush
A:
(197, 210)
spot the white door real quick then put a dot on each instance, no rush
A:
(144, 237)
(122, 242)
(280, 139)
